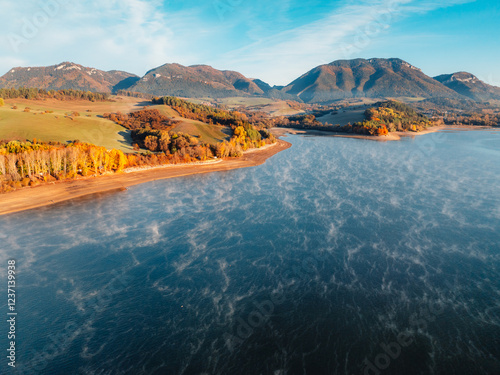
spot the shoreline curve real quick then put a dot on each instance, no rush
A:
(56, 192)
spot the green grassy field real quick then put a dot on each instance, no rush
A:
(15, 124)
(407, 100)
(353, 102)
(368, 101)
(207, 133)
(244, 101)
(232, 102)
(166, 110)
(278, 108)
(344, 117)
(272, 107)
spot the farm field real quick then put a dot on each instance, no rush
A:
(118, 104)
(59, 125)
(344, 117)
(277, 108)
(244, 101)
(207, 133)
(272, 107)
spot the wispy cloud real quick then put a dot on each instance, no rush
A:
(128, 34)
(344, 33)
(137, 35)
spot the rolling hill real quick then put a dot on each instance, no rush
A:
(468, 85)
(66, 76)
(373, 78)
(52, 120)
(197, 81)
(342, 79)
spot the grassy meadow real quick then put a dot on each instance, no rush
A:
(207, 133)
(244, 101)
(344, 117)
(272, 107)
(52, 120)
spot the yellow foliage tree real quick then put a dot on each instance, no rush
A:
(118, 160)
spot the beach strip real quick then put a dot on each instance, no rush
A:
(47, 194)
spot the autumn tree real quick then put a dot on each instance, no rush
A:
(3, 169)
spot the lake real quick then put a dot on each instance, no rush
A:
(337, 256)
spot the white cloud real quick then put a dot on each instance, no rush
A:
(343, 34)
(129, 34)
(138, 35)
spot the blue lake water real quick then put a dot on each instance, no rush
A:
(337, 256)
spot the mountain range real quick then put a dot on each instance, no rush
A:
(466, 84)
(67, 76)
(372, 78)
(195, 81)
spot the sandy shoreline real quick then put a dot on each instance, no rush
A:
(47, 194)
(394, 136)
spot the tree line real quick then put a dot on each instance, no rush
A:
(152, 130)
(133, 94)
(143, 119)
(34, 93)
(255, 133)
(204, 113)
(475, 119)
(30, 163)
(382, 118)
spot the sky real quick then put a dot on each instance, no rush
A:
(276, 41)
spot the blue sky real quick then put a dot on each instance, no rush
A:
(276, 41)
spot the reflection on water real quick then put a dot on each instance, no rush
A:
(337, 256)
